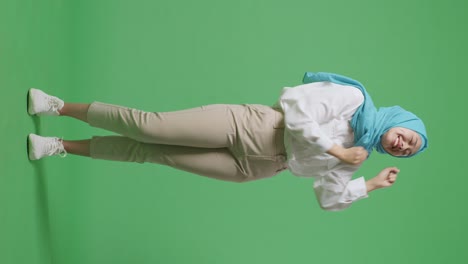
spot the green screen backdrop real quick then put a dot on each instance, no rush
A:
(172, 55)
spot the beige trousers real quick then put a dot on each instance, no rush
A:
(228, 142)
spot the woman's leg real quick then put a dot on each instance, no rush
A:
(214, 163)
(78, 111)
(207, 126)
(212, 126)
(77, 147)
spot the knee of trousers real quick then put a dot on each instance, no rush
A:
(120, 148)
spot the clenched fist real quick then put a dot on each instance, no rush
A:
(354, 155)
(385, 178)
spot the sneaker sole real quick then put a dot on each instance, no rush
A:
(29, 148)
(30, 109)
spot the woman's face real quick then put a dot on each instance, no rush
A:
(399, 141)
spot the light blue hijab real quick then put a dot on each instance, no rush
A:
(368, 123)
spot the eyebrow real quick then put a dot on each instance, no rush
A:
(415, 144)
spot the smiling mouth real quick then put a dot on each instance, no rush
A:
(396, 142)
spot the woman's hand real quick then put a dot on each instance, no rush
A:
(385, 178)
(353, 156)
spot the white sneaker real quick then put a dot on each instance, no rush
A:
(39, 147)
(42, 104)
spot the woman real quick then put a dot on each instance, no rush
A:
(324, 129)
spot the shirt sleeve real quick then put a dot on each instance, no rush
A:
(335, 193)
(307, 107)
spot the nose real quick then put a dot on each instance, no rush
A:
(403, 145)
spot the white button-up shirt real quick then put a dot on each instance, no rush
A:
(317, 116)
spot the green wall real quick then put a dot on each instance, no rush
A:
(172, 55)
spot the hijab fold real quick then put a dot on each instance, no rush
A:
(368, 123)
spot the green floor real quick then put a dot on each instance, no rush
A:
(171, 55)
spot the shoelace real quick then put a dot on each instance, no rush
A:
(56, 147)
(54, 104)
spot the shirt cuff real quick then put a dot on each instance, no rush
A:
(357, 189)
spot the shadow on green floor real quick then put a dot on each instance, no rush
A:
(42, 199)
(37, 125)
(43, 212)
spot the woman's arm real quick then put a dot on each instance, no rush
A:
(335, 192)
(353, 156)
